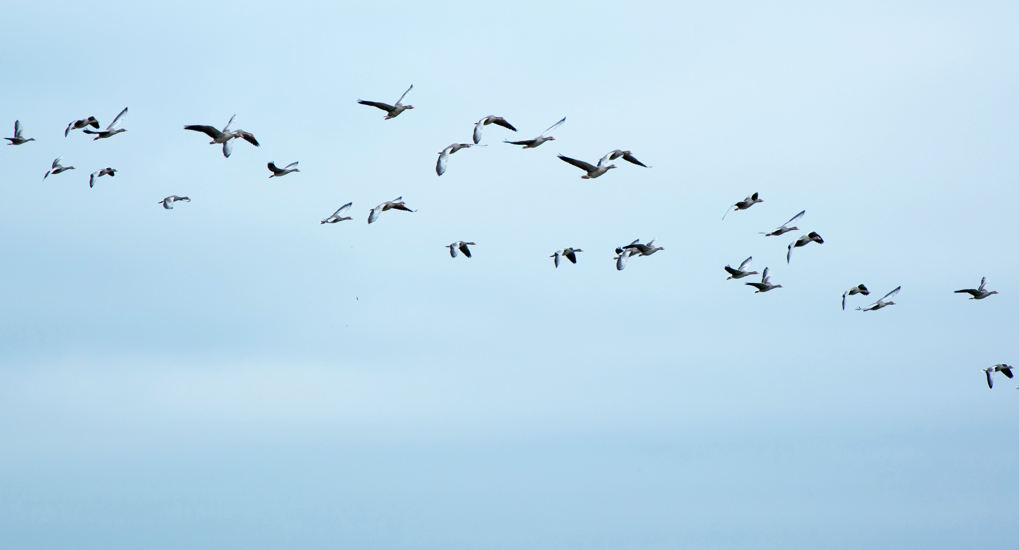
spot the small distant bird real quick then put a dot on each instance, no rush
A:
(592, 171)
(98, 174)
(743, 204)
(765, 284)
(336, 215)
(978, 293)
(440, 166)
(110, 130)
(858, 289)
(79, 124)
(392, 111)
(568, 253)
(1002, 368)
(635, 249)
(532, 143)
(490, 119)
(882, 302)
(279, 173)
(17, 139)
(395, 204)
(627, 156)
(741, 271)
(459, 245)
(57, 168)
(168, 201)
(803, 241)
(784, 228)
(224, 136)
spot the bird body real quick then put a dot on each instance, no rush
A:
(336, 215)
(440, 165)
(532, 143)
(79, 124)
(395, 204)
(741, 271)
(18, 139)
(743, 204)
(568, 253)
(168, 201)
(803, 241)
(592, 170)
(765, 284)
(57, 168)
(280, 172)
(110, 130)
(490, 119)
(224, 136)
(978, 293)
(461, 246)
(100, 173)
(392, 111)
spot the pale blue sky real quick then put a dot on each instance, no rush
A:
(232, 374)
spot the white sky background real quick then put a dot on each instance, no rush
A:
(232, 374)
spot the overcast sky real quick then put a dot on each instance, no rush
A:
(233, 374)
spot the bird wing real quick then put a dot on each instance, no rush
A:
(477, 130)
(971, 291)
(56, 162)
(227, 127)
(502, 122)
(1005, 369)
(892, 293)
(343, 208)
(248, 137)
(621, 259)
(227, 148)
(863, 289)
(378, 104)
(374, 214)
(291, 165)
(764, 276)
(92, 179)
(452, 250)
(794, 218)
(17, 128)
(607, 157)
(983, 280)
(990, 382)
(400, 206)
(168, 203)
(440, 165)
(554, 126)
(578, 163)
(746, 262)
(524, 142)
(630, 158)
(116, 121)
(207, 130)
(844, 301)
(272, 167)
(68, 130)
(789, 254)
(572, 256)
(398, 101)
(465, 250)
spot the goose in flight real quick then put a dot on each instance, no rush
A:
(100, 173)
(280, 172)
(743, 204)
(18, 139)
(1002, 368)
(224, 136)
(568, 253)
(110, 130)
(978, 293)
(440, 166)
(490, 119)
(459, 245)
(57, 168)
(881, 303)
(741, 271)
(79, 124)
(803, 241)
(641, 249)
(532, 143)
(627, 156)
(858, 289)
(784, 228)
(392, 111)
(336, 215)
(592, 171)
(168, 201)
(396, 204)
(765, 284)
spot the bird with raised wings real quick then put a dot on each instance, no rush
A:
(568, 253)
(811, 237)
(336, 215)
(395, 204)
(858, 289)
(883, 302)
(627, 156)
(440, 165)
(490, 119)
(743, 204)
(224, 136)
(532, 143)
(1002, 368)
(784, 228)
(765, 284)
(592, 170)
(110, 130)
(57, 168)
(168, 201)
(83, 123)
(392, 111)
(461, 246)
(100, 173)
(18, 139)
(741, 271)
(978, 293)
(280, 172)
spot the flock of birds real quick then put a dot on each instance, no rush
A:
(225, 137)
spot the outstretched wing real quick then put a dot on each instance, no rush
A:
(746, 262)
(578, 163)
(116, 121)
(553, 127)
(983, 280)
(343, 208)
(227, 127)
(17, 128)
(794, 218)
(631, 159)
(440, 166)
(227, 148)
(399, 101)
(248, 137)
(892, 293)
(477, 131)
(378, 104)
(502, 122)
(291, 165)
(214, 133)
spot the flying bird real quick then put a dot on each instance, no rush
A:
(532, 143)
(784, 228)
(882, 302)
(627, 156)
(568, 253)
(57, 168)
(490, 119)
(392, 111)
(79, 124)
(100, 173)
(803, 241)
(18, 139)
(978, 293)
(110, 130)
(280, 172)
(396, 204)
(592, 171)
(741, 271)
(224, 136)
(743, 204)
(858, 289)
(459, 245)
(168, 201)
(1002, 368)
(336, 215)
(440, 166)
(645, 249)
(765, 284)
